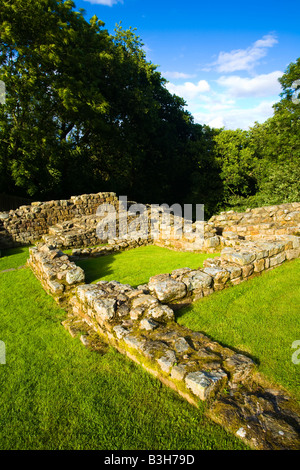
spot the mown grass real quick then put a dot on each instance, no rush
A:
(13, 258)
(260, 318)
(56, 394)
(136, 266)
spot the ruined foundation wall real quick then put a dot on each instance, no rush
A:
(140, 323)
(29, 223)
(261, 222)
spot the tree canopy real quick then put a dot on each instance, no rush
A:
(84, 108)
(86, 111)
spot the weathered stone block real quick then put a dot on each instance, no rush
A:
(292, 254)
(277, 259)
(241, 258)
(148, 324)
(120, 331)
(204, 383)
(179, 371)
(240, 368)
(161, 312)
(219, 275)
(75, 276)
(105, 309)
(181, 345)
(196, 280)
(144, 301)
(247, 270)
(134, 342)
(234, 271)
(55, 287)
(259, 265)
(211, 242)
(167, 361)
(166, 289)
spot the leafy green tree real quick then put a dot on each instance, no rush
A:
(53, 95)
(277, 142)
(237, 160)
(85, 110)
(205, 183)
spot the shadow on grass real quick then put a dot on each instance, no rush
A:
(13, 258)
(12, 251)
(180, 312)
(102, 268)
(96, 268)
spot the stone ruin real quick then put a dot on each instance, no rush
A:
(140, 321)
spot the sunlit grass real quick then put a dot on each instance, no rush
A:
(56, 394)
(259, 317)
(136, 266)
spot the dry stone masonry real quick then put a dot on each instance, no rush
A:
(29, 223)
(57, 274)
(140, 322)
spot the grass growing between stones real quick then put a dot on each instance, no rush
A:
(56, 394)
(260, 318)
(136, 266)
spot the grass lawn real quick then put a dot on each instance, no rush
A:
(136, 266)
(56, 394)
(260, 318)
(13, 258)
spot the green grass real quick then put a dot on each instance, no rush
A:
(13, 258)
(260, 318)
(56, 394)
(136, 266)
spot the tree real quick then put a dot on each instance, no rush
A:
(53, 95)
(85, 110)
(237, 160)
(277, 142)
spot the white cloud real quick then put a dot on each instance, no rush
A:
(244, 59)
(108, 3)
(175, 75)
(259, 86)
(223, 108)
(235, 117)
(189, 90)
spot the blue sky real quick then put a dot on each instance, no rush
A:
(223, 58)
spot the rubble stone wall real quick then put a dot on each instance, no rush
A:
(74, 223)
(261, 222)
(140, 323)
(29, 223)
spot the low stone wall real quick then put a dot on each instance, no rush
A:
(236, 263)
(29, 223)
(261, 222)
(56, 272)
(140, 323)
(155, 226)
(74, 223)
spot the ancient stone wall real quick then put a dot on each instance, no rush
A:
(262, 222)
(56, 272)
(140, 323)
(74, 223)
(29, 223)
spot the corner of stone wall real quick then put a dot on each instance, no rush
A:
(57, 274)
